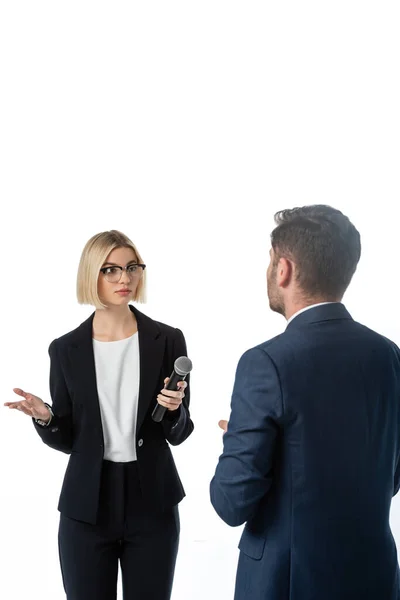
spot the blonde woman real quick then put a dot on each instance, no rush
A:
(119, 500)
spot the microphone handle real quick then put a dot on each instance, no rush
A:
(159, 411)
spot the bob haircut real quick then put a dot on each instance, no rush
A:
(92, 259)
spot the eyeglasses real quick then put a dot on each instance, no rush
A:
(113, 274)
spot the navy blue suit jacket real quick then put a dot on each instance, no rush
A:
(311, 462)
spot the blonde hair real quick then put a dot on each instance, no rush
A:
(92, 259)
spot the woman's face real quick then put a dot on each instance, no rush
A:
(116, 288)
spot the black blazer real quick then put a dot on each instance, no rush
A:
(76, 427)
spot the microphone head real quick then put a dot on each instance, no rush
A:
(183, 365)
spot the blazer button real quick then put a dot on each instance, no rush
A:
(140, 443)
(54, 429)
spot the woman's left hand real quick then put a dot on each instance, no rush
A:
(170, 399)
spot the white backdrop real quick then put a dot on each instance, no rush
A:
(186, 125)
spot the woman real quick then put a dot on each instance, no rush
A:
(121, 487)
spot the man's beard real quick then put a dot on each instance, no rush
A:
(275, 301)
(276, 304)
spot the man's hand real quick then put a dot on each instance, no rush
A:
(223, 425)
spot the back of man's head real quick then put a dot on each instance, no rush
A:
(324, 245)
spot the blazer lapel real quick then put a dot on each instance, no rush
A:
(151, 349)
(84, 371)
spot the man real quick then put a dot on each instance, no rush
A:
(311, 451)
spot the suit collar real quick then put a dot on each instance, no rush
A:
(316, 314)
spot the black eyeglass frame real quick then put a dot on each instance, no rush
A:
(122, 269)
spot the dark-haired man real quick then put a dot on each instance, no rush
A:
(311, 450)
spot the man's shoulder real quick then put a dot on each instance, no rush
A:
(266, 347)
(290, 337)
(272, 343)
(377, 338)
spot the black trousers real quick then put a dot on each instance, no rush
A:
(145, 543)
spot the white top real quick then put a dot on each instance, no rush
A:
(307, 308)
(117, 373)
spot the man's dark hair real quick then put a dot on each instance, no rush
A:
(324, 245)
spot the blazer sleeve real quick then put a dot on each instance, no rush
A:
(58, 434)
(177, 424)
(244, 472)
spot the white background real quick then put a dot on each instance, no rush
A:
(186, 125)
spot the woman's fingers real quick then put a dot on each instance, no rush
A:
(181, 384)
(19, 406)
(173, 394)
(34, 401)
(12, 404)
(25, 406)
(169, 401)
(172, 399)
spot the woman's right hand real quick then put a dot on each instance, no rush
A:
(32, 405)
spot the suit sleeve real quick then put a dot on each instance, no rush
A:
(244, 472)
(396, 475)
(396, 483)
(177, 424)
(58, 434)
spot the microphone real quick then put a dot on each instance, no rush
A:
(182, 367)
